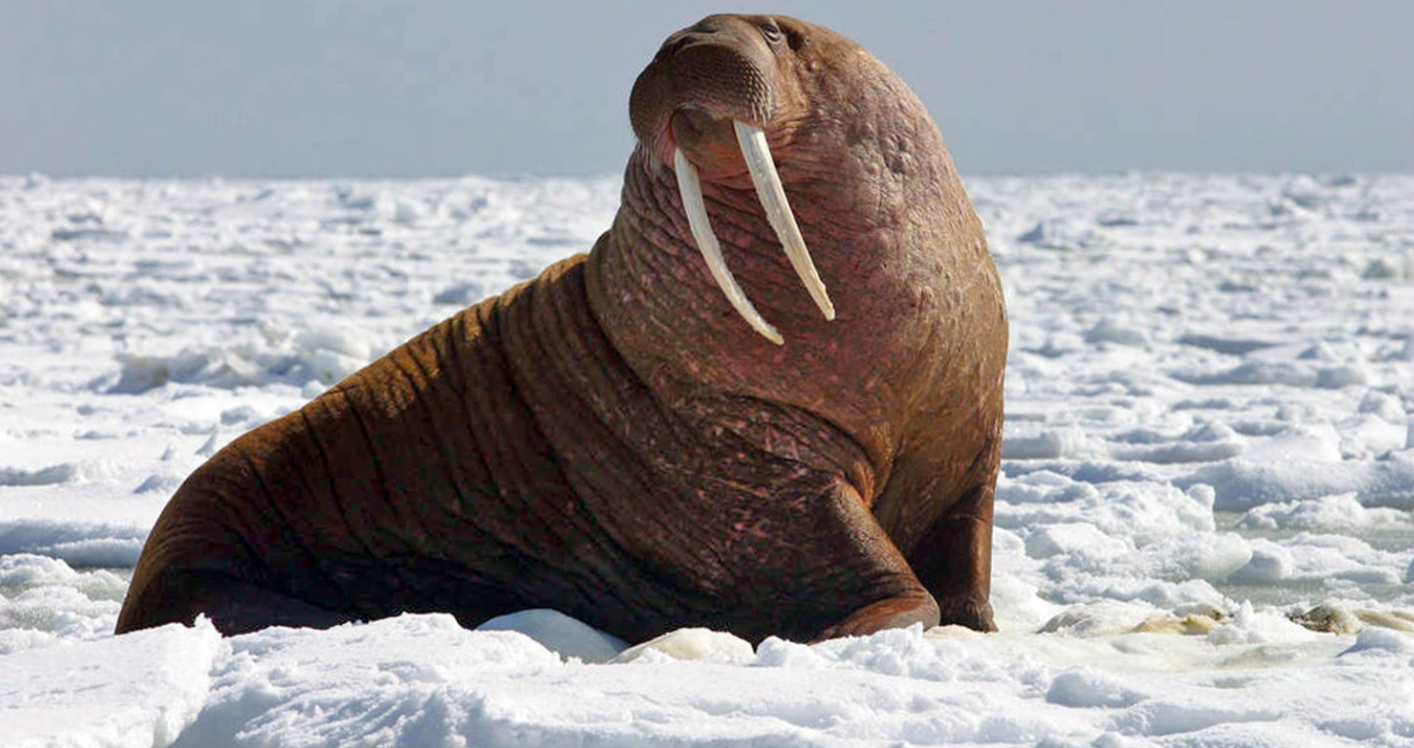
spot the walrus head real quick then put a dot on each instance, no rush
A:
(705, 103)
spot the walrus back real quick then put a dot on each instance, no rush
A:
(413, 484)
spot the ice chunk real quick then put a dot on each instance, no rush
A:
(560, 633)
(691, 644)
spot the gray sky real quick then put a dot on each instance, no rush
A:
(448, 87)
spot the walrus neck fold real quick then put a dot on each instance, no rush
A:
(665, 269)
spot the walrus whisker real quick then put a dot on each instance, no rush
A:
(691, 190)
(773, 199)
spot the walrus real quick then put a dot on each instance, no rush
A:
(636, 437)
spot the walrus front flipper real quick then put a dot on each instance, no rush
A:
(891, 595)
(234, 606)
(901, 611)
(953, 558)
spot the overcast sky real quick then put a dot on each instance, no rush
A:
(448, 87)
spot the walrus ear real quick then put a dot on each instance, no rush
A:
(757, 154)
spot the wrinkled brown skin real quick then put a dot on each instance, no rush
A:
(613, 441)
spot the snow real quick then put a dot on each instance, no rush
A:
(1204, 526)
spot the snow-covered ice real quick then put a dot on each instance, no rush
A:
(1204, 526)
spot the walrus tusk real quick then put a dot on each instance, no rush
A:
(691, 190)
(773, 198)
(772, 195)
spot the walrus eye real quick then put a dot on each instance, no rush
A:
(771, 31)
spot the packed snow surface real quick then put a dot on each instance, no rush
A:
(1204, 526)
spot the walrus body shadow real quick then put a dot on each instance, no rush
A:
(613, 441)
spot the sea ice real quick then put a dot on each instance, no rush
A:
(1203, 527)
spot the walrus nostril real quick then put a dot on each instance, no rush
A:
(673, 45)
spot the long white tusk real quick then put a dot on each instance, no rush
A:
(691, 190)
(773, 198)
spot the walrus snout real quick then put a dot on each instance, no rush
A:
(728, 75)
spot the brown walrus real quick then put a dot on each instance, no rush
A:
(613, 441)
